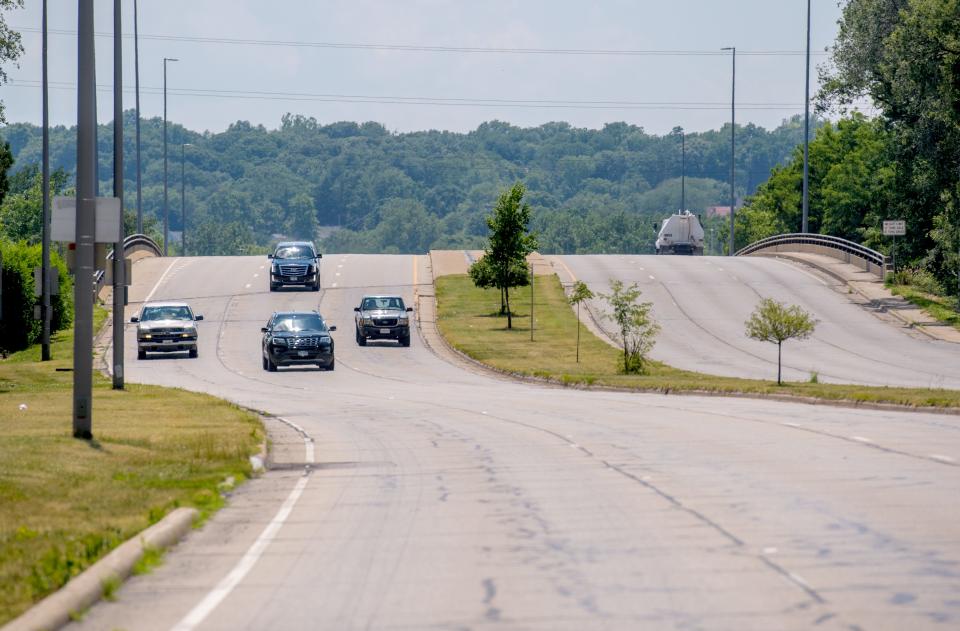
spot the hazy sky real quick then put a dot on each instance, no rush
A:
(216, 83)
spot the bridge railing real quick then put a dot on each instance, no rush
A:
(132, 243)
(848, 251)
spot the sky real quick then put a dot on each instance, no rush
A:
(352, 60)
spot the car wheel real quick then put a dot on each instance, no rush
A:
(272, 367)
(329, 366)
(361, 340)
(264, 362)
(141, 354)
(316, 286)
(273, 287)
(193, 353)
(405, 340)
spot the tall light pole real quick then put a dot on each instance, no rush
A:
(45, 314)
(806, 135)
(136, 78)
(733, 144)
(85, 224)
(683, 170)
(166, 208)
(183, 204)
(119, 261)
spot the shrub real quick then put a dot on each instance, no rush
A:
(18, 328)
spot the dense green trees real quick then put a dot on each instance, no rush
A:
(370, 190)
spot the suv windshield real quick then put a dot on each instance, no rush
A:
(300, 322)
(391, 302)
(294, 252)
(166, 313)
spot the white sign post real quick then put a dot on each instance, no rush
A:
(894, 228)
(63, 221)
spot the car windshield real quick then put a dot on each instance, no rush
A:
(166, 313)
(294, 252)
(389, 302)
(300, 322)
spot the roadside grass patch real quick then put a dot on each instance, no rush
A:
(67, 502)
(941, 308)
(463, 317)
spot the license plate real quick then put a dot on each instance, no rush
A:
(168, 341)
(384, 331)
(294, 278)
(302, 353)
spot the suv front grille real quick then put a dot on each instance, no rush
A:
(385, 322)
(293, 269)
(304, 342)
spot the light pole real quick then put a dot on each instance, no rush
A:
(136, 78)
(45, 315)
(166, 208)
(183, 204)
(119, 261)
(683, 170)
(806, 135)
(733, 144)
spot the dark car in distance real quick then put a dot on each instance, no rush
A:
(382, 318)
(295, 263)
(293, 338)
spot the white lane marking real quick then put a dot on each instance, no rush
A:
(770, 550)
(720, 269)
(341, 265)
(861, 439)
(206, 606)
(799, 269)
(333, 285)
(262, 266)
(791, 424)
(651, 277)
(642, 269)
(338, 273)
(942, 458)
(256, 275)
(160, 280)
(247, 286)
(483, 412)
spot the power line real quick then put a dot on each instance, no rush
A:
(442, 49)
(427, 100)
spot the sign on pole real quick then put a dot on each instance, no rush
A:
(63, 221)
(894, 228)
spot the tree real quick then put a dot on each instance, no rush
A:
(509, 244)
(10, 46)
(580, 293)
(638, 331)
(776, 322)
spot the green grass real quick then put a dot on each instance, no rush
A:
(67, 502)
(941, 308)
(468, 318)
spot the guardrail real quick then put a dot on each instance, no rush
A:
(848, 251)
(134, 242)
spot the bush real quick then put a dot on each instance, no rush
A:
(18, 328)
(918, 277)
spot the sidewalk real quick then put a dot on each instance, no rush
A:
(871, 288)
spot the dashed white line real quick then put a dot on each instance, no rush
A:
(861, 439)
(247, 286)
(256, 275)
(942, 458)
(651, 277)
(333, 285)
(160, 280)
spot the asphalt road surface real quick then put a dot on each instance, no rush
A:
(702, 303)
(443, 498)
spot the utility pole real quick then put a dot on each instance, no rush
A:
(683, 170)
(531, 300)
(806, 135)
(733, 147)
(183, 204)
(85, 224)
(136, 78)
(45, 315)
(119, 260)
(166, 208)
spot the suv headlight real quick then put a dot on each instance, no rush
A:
(279, 341)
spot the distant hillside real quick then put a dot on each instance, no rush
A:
(591, 190)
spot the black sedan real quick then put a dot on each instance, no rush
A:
(297, 338)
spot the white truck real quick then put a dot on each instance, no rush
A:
(680, 234)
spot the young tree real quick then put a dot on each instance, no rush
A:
(638, 331)
(776, 322)
(579, 294)
(510, 242)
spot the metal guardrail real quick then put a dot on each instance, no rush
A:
(849, 248)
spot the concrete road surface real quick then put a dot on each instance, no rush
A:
(702, 303)
(442, 498)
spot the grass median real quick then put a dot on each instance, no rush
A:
(468, 318)
(67, 502)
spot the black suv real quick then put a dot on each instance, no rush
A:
(297, 337)
(382, 318)
(295, 263)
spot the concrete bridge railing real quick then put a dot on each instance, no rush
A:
(847, 251)
(135, 247)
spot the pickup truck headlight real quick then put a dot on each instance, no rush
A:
(145, 336)
(403, 319)
(367, 321)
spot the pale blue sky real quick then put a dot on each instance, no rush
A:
(773, 83)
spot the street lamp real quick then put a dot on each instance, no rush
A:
(683, 170)
(136, 78)
(183, 205)
(733, 142)
(166, 208)
(806, 135)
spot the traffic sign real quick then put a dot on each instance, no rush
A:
(894, 228)
(63, 222)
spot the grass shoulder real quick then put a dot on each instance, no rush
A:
(68, 502)
(469, 320)
(940, 308)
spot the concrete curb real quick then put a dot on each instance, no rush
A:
(86, 589)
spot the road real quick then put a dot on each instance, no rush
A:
(703, 302)
(443, 498)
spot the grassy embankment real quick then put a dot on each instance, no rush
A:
(468, 318)
(64, 503)
(941, 308)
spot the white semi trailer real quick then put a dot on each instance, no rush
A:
(680, 234)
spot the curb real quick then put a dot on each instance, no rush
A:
(84, 590)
